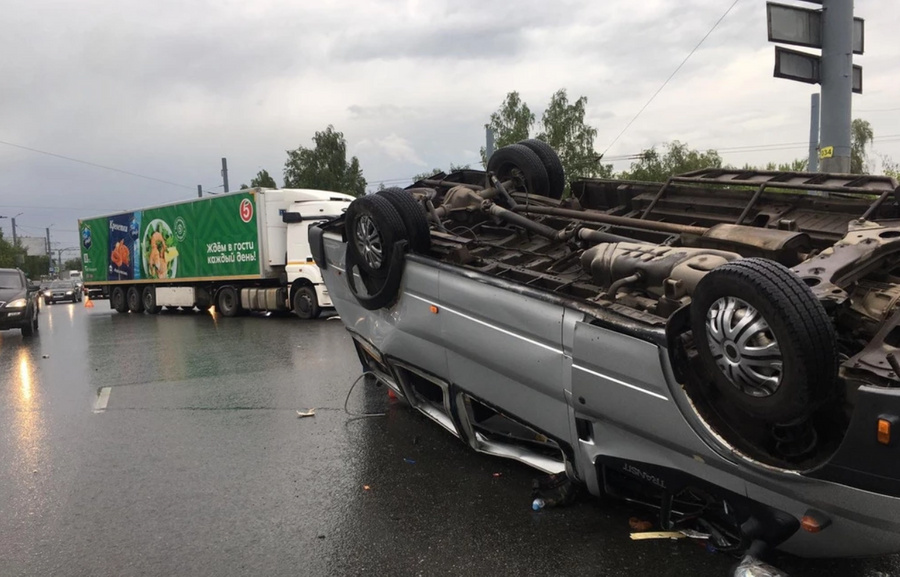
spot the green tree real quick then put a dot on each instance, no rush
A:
(652, 166)
(72, 264)
(324, 166)
(433, 171)
(263, 180)
(510, 124)
(564, 129)
(11, 256)
(861, 135)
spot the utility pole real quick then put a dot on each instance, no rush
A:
(225, 173)
(15, 239)
(813, 165)
(839, 35)
(199, 191)
(49, 253)
(488, 142)
(837, 82)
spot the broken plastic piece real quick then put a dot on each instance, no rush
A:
(537, 504)
(657, 535)
(496, 475)
(309, 413)
(366, 487)
(750, 566)
(410, 461)
(638, 525)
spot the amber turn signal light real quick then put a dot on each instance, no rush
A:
(434, 309)
(814, 521)
(884, 431)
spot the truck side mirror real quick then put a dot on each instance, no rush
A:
(291, 217)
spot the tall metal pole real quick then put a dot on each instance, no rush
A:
(837, 82)
(225, 173)
(48, 244)
(199, 191)
(15, 241)
(813, 133)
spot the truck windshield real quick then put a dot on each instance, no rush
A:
(10, 279)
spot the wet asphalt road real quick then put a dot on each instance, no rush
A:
(199, 465)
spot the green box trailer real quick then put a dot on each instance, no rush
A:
(246, 250)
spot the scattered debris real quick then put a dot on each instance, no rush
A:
(408, 460)
(366, 487)
(321, 536)
(45, 356)
(691, 534)
(554, 490)
(657, 535)
(309, 413)
(537, 504)
(497, 475)
(750, 566)
(638, 525)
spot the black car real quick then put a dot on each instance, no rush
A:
(61, 290)
(18, 302)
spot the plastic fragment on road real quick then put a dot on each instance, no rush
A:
(657, 535)
(309, 413)
(45, 356)
(638, 525)
(88, 303)
(409, 461)
(497, 475)
(691, 534)
(366, 487)
(537, 504)
(750, 566)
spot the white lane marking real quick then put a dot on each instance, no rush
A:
(496, 328)
(102, 399)
(618, 382)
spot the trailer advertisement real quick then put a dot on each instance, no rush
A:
(212, 237)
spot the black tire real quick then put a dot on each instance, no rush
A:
(413, 216)
(118, 301)
(228, 302)
(805, 344)
(520, 163)
(372, 226)
(305, 303)
(556, 175)
(148, 297)
(135, 299)
(31, 327)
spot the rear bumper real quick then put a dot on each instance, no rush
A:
(13, 319)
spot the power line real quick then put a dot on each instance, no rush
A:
(686, 58)
(94, 164)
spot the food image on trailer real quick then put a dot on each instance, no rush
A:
(123, 234)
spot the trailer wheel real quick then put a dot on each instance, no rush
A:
(306, 305)
(118, 301)
(148, 296)
(135, 299)
(556, 175)
(765, 339)
(228, 303)
(372, 227)
(519, 163)
(413, 216)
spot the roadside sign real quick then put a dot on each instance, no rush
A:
(805, 67)
(803, 27)
(826, 152)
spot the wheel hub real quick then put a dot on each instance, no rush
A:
(368, 241)
(744, 347)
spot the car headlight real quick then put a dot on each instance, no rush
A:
(68, 292)
(48, 293)
(17, 304)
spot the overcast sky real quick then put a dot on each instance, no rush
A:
(165, 89)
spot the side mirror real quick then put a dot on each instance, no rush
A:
(291, 217)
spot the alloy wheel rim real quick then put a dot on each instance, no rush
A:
(744, 347)
(369, 243)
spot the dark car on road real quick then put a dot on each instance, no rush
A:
(18, 302)
(61, 290)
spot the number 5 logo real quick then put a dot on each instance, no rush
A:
(246, 210)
